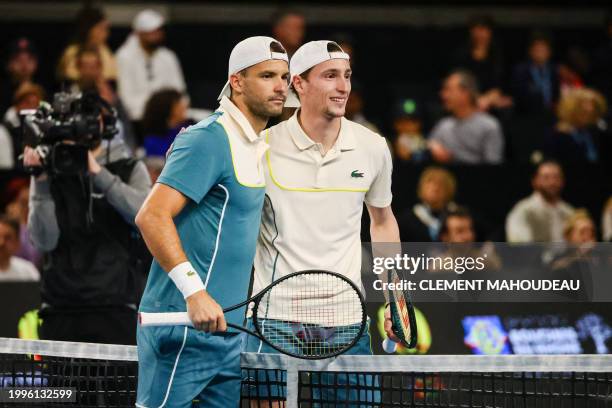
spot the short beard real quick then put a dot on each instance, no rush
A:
(258, 108)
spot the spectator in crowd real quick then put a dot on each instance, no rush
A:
(91, 78)
(92, 32)
(435, 191)
(579, 228)
(541, 216)
(483, 58)
(602, 61)
(606, 221)
(289, 28)
(468, 136)
(535, 82)
(27, 96)
(165, 114)
(354, 107)
(145, 65)
(21, 67)
(409, 142)
(13, 268)
(579, 132)
(18, 193)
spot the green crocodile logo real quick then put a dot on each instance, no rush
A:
(190, 273)
(356, 174)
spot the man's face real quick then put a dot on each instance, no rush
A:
(29, 101)
(583, 232)
(264, 87)
(459, 230)
(9, 242)
(90, 68)
(290, 31)
(549, 181)
(481, 34)
(539, 52)
(153, 39)
(434, 193)
(22, 66)
(453, 95)
(326, 89)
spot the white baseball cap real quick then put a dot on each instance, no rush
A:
(147, 20)
(307, 56)
(249, 52)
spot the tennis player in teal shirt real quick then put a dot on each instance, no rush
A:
(201, 223)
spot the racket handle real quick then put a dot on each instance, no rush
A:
(389, 345)
(164, 319)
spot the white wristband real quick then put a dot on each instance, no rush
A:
(186, 279)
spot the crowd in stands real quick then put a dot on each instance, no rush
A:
(559, 106)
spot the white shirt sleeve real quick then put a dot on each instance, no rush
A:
(379, 195)
(517, 226)
(6, 149)
(177, 74)
(132, 98)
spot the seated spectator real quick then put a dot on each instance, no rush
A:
(145, 65)
(27, 96)
(578, 134)
(535, 82)
(12, 268)
(436, 191)
(91, 78)
(289, 27)
(606, 221)
(409, 142)
(165, 115)
(92, 32)
(482, 57)
(468, 136)
(18, 193)
(541, 216)
(21, 67)
(580, 228)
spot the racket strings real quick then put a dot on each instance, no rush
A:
(311, 315)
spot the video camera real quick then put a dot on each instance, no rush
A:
(63, 132)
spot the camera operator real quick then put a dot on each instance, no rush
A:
(84, 222)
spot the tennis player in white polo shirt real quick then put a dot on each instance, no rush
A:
(320, 169)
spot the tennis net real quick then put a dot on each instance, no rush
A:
(106, 376)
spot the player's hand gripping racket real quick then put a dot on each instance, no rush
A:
(402, 316)
(308, 314)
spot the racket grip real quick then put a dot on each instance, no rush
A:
(389, 345)
(164, 319)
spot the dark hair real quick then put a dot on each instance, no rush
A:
(86, 19)
(455, 211)
(539, 35)
(157, 111)
(481, 20)
(281, 13)
(10, 222)
(546, 162)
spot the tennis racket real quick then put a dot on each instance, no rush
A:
(310, 315)
(402, 317)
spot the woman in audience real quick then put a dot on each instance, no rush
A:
(579, 131)
(92, 32)
(165, 114)
(606, 222)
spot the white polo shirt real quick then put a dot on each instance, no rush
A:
(312, 212)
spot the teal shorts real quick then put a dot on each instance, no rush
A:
(333, 386)
(178, 364)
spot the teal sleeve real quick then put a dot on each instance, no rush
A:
(196, 163)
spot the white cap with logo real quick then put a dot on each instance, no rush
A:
(147, 20)
(249, 52)
(307, 56)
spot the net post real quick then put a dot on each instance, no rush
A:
(293, 387)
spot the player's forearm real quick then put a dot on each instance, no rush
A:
(161, 237)
(385, 231)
